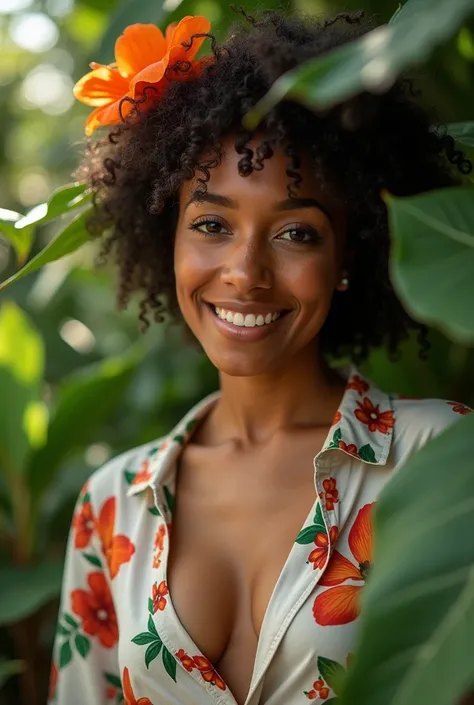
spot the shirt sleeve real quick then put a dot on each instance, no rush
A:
(85, 657)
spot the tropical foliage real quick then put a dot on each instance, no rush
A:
(77, 383)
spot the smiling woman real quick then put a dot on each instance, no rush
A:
(225, 562)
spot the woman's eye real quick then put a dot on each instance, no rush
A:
(299, 235)
(210, 227)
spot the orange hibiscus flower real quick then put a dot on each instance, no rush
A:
(359, 384)
(96, 609)
(129, 696)
(143, 57)
(158, 593)
(340, 605)
(319, 554)
(375, 419)
(143, 475)
(331, 493)
(83, 525)
(117, 549)
(186, 660)
(459, 408)
(207, 671)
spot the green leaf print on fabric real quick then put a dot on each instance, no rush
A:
(169, 662)
(92, 559)
(367, 453)
(70, 620)
(332, 672)
(113, 680)
(307, 534)
(83, 645)
(335, 439)
(152, 652)
(155, 511)
(179, 439)
(152, 641)
(65, 654)
(129, 476)
(169, 499)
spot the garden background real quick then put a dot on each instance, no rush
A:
(91, 384)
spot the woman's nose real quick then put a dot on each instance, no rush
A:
(247, 267)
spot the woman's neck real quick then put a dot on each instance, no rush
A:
(251, 410)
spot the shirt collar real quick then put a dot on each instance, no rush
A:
(362, 428)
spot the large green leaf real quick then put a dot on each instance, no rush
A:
(67, 241)
(85, 401)
(20, 238)
(433, 257)
(24, 590)
(20, 229)
(371, 62)
(462, 132)
(21, 374)
(417, 622)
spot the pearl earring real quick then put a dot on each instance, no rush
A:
(344, 281)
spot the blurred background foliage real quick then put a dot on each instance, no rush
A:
(78, 382)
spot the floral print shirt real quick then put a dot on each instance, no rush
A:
(119, 639)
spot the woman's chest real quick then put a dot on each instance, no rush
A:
(233, 530)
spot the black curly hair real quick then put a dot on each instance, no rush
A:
(366, 144)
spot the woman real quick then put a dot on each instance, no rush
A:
(224, 563)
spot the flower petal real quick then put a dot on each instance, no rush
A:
(338, 605)
(184, 31)
(169, 34)
(338, 570)
(360, 535)
(106, 522)
(121, 552)
(139, 46)
(100, 87)
(151, 75)
(127, 688)
(108, 115)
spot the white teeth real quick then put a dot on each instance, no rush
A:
(248, 321)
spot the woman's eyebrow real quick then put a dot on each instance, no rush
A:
(291, 204)
(214, 198)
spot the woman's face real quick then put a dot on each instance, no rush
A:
(246, 254)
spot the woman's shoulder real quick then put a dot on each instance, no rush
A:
(124, 472)
(419, 420)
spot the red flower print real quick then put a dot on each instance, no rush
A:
(321, 689)
(111, 692)
(375, 419)
(83, 525)
(96, 610)
(359, 384)
(158, 596)
(331, 493)
(207, 671)
(159, 545)
(460, 408)
(53, 679)
(319, 554)
(351, 448)
(118, 549)
(337, 418)
(130, 698)
(143, 475)
(340, 605)
(186, 660)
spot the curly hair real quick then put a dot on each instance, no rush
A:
(362, 146)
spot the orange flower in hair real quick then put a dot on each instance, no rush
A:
(143, 57)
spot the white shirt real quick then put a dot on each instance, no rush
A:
(119, 638)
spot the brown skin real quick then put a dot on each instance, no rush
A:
(249, 466)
